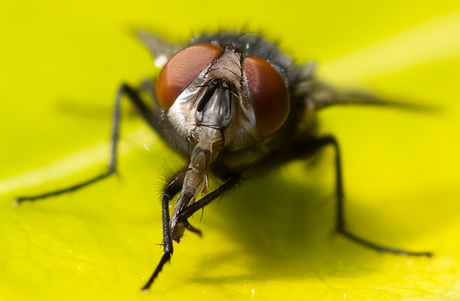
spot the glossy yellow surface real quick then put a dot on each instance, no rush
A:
(271, 239)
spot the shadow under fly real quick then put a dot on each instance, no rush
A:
(235, 106)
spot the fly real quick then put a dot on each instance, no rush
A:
(233, 105)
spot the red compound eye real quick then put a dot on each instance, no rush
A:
(181, 70)
(269, 95)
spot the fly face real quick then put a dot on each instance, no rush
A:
(217, 99)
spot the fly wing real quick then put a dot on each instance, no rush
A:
(161, 49)
(322, 95)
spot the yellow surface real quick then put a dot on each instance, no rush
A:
(271, 239)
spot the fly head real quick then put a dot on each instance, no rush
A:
(218, 97)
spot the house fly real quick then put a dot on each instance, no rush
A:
(233, 105)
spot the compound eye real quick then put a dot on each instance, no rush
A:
(181, 70)
(269, 95)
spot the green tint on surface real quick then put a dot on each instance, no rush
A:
(270, 239)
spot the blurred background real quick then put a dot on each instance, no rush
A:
(273, 238)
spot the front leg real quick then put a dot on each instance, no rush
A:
(172, 189)
(190, 210)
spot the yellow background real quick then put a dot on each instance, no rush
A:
(271, 239)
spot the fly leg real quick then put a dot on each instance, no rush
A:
(172, 189)
(148, 115)
(190, 210)
(340, 218)
(182, 217)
